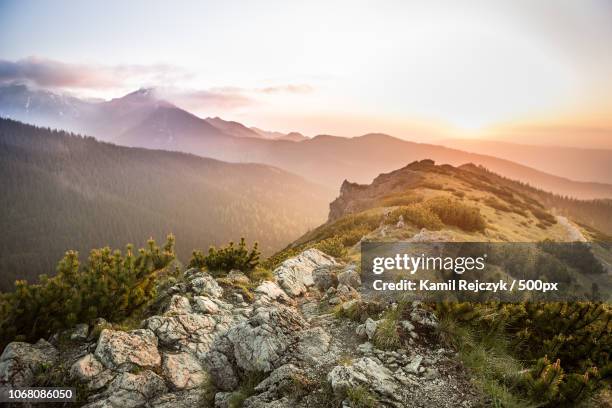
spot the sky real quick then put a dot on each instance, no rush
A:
(411, 69)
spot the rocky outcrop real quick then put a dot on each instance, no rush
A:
(183, 371)
(363, 372)
(118, 349)
(131, 390)
(256, 345)
(294, 275)
(20, 361)
(204, 334)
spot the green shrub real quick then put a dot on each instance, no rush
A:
(417, 215)
(453, 212)
(332, 247)
(222, 260)
(111, 285)
(575, 335)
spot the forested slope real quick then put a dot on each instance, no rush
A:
(62, 191)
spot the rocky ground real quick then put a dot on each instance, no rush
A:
(281, 347)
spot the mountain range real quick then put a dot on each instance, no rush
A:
(141, 119)
(62, 191)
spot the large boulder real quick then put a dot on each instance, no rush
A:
(364, 372)
(191, 332)
(118, 349)
(21, 361)
(183, 371)
(294, 275)
(258, 344)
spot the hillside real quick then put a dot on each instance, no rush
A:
(571, 162)
(62, 191)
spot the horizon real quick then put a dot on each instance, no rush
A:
(534, 73)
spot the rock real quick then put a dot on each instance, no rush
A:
(238, 277)
(360, 331)
(204, 284)
(431, 236)
(273, 292)
(406, 325)
(365, 348)
(370, 326)
(86, 368)
(294, 275)
(222, 399)
(313, 345)
(349, 277)
(178, 305)
(183, 399)
(431, 373)
(324, 278)
(260, 342)
(424, 318)
(257, 344)
(21, 361)
(238, 298)
(116, 348)
(363, 372)
(413, 367)
(80, 332)
(205, 305)
(183, 371)
(131, 390)
(346, 292)
(221, 371)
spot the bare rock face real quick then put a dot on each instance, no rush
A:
(269, 291)
(363, 372)
(294, 275)
(178, 305)
(258, 344)
(131, 390)
(183, 371)
(116, 348)
(86, 368)
(313, 346)
(21, 361)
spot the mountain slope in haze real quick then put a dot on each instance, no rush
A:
(140, 119)
(570, 162)
(329, 159)
(61, 191)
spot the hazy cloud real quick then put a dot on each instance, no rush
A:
(289, 88)
(225, 98)
(56, 74)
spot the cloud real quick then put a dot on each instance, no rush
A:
(224, 98)
(288, 88)
(50, 73)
